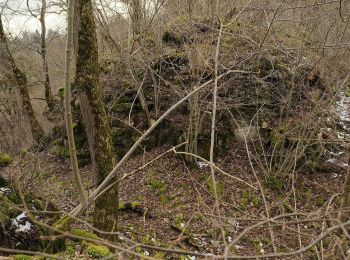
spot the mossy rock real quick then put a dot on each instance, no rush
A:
(129, 205)
(173, 38)
(3, 182)
(61, 152)
(5, 159)
(83, 233)
(97, 251)
(13, 197)
(7, 209)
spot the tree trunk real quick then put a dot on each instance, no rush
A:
(67, 98)
(193, 128)
(343, 216)
(22, 82)
(344, 213)
(212, 10)
(95, 117)
(48, 93)
(136, 16)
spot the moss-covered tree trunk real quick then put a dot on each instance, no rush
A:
(22, 82)
(95, 117)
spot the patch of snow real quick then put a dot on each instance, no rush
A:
(336, 154)
(332, 160)
(21, 225)
(342, 136)
(343, 107)
(344, 164)
(21, 216)
(238, 247)
(6, 191)
(237, 226)
(339, 163)
(202, 165)
(334, 175)
(146, 253)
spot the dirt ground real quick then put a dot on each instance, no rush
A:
(175, 204)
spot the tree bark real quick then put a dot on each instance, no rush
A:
(136, 16)
(67, 98)
(48, 93)
(95, 117)
(343, 216)
(22, 82)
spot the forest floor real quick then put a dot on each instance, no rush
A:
(174, 204)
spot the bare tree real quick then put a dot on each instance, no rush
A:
(22, 83)
(43, 52)
(94, 116)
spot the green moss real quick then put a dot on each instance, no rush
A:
(135, 204)
(22, 257)
(70, 250)
(320, 201)
(62, 224)
(127, 83)
(288, 208)
(157, 185)
(129, 205)
(275, 184)
(14, 198)
(97, 251)
(219, 187)
(139, 197)
(179, 218)
(146, 239)
(7, 209)
(347, 93)
(244, 200)
(61, 152)
(159, 255)
(5, 159)
(83, 233)
(164, 199)
(257, 244)
(249, 199)
(61, 93)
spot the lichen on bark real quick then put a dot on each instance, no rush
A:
(95, 118)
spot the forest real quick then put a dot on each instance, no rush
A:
(174, 129)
